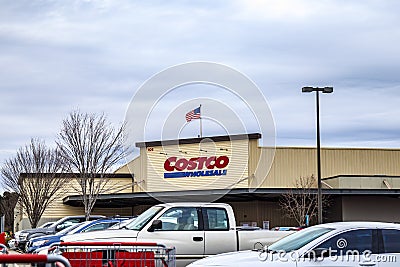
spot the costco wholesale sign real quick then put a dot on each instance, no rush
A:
(194, 167)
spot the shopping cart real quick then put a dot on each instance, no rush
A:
(115, 254)
(33, 260)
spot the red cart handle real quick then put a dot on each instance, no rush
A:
(105, 243)
(33, 258)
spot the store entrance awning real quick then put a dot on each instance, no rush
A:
(220, 195)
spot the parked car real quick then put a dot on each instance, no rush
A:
(196, 230)
(46, 225)
(288, 228)
(59, 225)
(89, 226)
(13, 243)
(332, 244)
(41, 240)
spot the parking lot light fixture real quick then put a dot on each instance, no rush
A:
(325, 90)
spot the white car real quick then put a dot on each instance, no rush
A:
(332, 244)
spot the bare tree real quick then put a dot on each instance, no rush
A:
(35, 174)
(91, 147)
(7, 205)
(302, 200)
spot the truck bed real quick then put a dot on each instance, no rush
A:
(248, 239)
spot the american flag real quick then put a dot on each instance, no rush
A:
(193, 114)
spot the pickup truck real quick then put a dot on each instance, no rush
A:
(196, 230)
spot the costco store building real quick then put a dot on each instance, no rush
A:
(363, 184)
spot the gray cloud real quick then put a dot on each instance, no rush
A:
(92, 55)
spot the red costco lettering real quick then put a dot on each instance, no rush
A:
(181, 164)
(221, 162)
(201, 162)
(192, 164)
(167, 164)
(210, 163)
(173, 163)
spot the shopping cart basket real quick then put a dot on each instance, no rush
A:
(33, 260)
(115, 254)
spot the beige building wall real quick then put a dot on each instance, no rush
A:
(272, 168)
(149, 169)
(290, 163)
(57, 210)
(135, 168)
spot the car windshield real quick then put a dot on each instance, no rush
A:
(143, 218)
(299, 239)
(79, 227)
(46, 225)
(122, 224)
(67, 230)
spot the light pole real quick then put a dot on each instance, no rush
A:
(326, 90)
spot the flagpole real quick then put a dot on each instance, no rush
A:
(201, 125)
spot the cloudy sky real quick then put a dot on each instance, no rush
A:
(57, 56)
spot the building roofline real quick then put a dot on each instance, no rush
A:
(219, 138)
(336, 148)
(367, 176)
(72, 175)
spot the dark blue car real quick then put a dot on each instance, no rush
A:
(89, 226)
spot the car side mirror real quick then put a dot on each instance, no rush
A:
(155, 225)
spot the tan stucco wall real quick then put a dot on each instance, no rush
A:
(149, 170)
(57, 209)
(290, 163)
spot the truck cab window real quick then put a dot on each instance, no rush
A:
(216, 219)
(180, 219)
